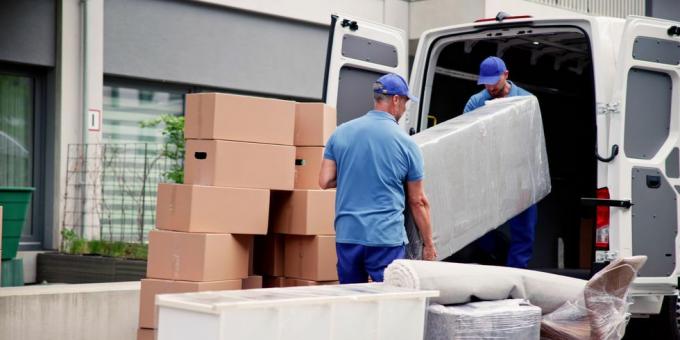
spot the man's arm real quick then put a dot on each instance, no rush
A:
(420, 208)
(328, 174)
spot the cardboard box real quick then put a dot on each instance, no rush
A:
(239, 118)
(269, 255)
(273, 282)
(314, 123)
(203, 209)
(252, 282)
(146, 334)
(311, 258)
(303, 212)
(152, 287)
(197, 257)
(307, 167)
(239, 165)
(288, 282)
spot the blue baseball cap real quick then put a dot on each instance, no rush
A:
(393, 85)
(491, 70)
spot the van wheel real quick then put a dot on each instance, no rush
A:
(664, 325)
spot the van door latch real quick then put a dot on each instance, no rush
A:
(604, 202)
(608, 108)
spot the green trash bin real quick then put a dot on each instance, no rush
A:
(14, 202)
(12, 273)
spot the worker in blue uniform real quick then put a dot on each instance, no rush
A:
(493, 74)
(377, 169)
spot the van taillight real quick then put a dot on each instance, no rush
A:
(602, 221)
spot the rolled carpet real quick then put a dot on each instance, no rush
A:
(462, 283)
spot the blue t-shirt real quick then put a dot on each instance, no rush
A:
(480, 98)
(374, 158)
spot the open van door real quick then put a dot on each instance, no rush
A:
(359, 52)
(645, 126)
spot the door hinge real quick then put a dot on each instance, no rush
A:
(608, 108)
(605, 255)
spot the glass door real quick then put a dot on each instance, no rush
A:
(17, 138)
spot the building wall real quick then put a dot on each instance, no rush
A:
(266, 47)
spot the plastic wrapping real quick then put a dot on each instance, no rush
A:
(481, 169)
(505, 319)
(602, 311)
(461, 283)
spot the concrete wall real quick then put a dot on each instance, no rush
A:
(316, 11)
(102, 311)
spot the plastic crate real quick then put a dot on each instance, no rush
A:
(359, 311)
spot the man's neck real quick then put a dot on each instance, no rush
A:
(384, 109)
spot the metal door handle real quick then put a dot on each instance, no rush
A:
(615, 152)
(653, 182)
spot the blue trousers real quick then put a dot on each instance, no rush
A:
(522, 234)
(357, 262)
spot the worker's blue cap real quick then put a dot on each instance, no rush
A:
(491, 70)
(393, 85)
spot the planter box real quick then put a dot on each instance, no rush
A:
(64, 268)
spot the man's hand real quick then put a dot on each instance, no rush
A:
(429, 252)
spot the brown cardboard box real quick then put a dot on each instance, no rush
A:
(146, 334)
(197, 257)
(311, 258)
(297, 283)
(269, 254)
(203, 209)
(239, 118)
(252, 282)
(239, 165)
(273, 282)
(314, 123)
(152, 287)
(307, 167)
(303, 212)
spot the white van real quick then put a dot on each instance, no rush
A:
(609, 95)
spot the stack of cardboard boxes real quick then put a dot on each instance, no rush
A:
(251, 168)
(300, 247)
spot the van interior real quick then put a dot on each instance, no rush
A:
(556, 66)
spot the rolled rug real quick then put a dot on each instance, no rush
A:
(462, 283)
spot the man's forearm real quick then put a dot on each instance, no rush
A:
(421, 215)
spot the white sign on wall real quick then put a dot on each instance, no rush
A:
(94, 120)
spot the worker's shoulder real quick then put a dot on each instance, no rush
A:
(521, 91)
(476, 100)
(482, 96)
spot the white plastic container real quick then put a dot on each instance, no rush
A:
(359, 311)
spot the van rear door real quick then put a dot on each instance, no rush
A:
(646, 127)
(359, 52)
